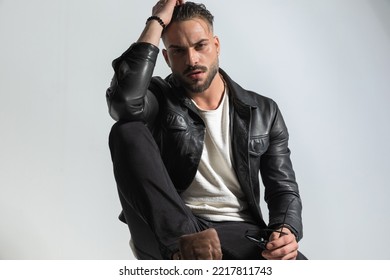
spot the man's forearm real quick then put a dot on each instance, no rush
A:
(152, 33)
(281, 188)
(129, 86)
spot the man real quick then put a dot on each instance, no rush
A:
(187, 150)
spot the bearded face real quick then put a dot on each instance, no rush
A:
(192, 54)
(197, 79)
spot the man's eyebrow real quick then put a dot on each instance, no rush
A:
(182, 47)
(175, 47)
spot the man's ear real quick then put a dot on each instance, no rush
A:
(217, 44)
(165, 54)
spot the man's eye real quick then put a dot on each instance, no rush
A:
(178, 51)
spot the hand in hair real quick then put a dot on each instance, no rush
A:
(164, 9)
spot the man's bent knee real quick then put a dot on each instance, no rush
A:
(130, 134)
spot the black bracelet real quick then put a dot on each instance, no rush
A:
(160, 21)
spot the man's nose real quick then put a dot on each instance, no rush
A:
(192, 57)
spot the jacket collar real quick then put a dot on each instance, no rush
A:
(237, 93)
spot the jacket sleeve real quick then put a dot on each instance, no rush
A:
(281, 188)
(128, 97)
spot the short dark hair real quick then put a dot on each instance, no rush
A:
(191, 10)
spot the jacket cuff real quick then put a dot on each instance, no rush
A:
(280, 226)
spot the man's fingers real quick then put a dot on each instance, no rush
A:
(164, 9)
(280, 255)
(289, 251)
(277, 240)
(281, 247)
(217, 253)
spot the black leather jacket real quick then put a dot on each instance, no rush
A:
(258, 132)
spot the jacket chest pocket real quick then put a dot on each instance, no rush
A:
(175, 122)
(258, 145)
(176, 129)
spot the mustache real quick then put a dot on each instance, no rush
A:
(194, 68)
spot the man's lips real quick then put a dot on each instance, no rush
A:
(195, 72)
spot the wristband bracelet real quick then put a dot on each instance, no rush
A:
(160, 21)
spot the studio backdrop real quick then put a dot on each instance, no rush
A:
(326, 63)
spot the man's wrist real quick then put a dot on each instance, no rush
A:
(289, 228)
(152, 32)
(158, 19)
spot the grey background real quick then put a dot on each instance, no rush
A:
(326, 63)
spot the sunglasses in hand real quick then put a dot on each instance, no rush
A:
(260, 237)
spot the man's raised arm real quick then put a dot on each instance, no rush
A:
(128, 97)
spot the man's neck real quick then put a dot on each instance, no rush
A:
(210, 98)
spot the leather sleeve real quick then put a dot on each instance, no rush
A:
(128, 97)
(281, 189)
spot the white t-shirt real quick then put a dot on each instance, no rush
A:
(215, 193)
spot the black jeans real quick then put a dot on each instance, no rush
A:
(152, 208)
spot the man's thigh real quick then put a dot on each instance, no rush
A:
(235, 246)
